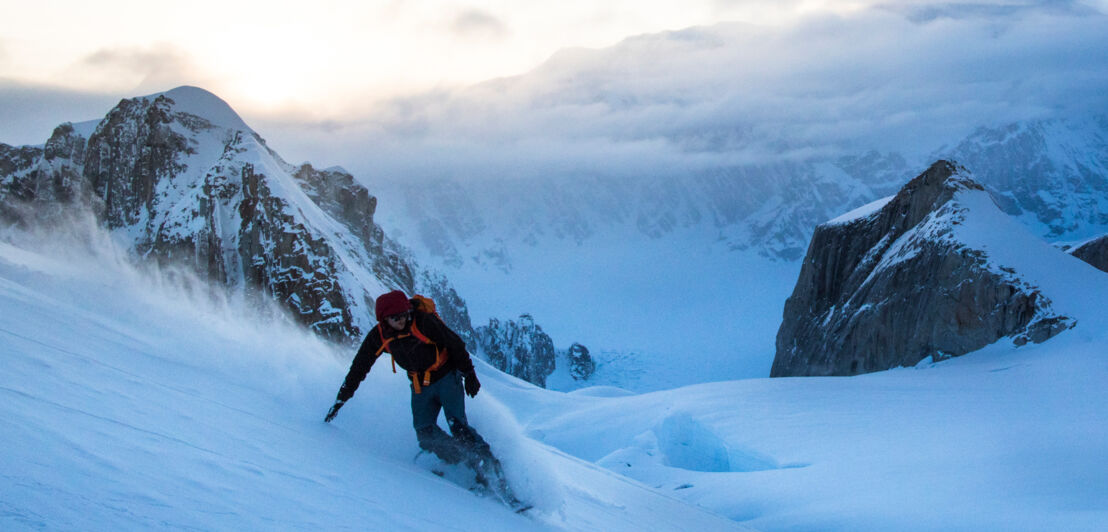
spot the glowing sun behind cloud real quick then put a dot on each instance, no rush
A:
(339, 61)
(297, 54)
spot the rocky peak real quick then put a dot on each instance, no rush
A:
(581, 364)
(520, 348)
(42, 183)
(184, 181)
(202, 106)
(16, 179)
(1094, 252)
(928, 192)
(129, 154)
(892, 284)
(338, 195)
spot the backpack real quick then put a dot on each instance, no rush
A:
(423, 305)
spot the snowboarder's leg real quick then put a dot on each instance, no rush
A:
(474, 450)
(425, 414)
(475, 447)
(479, 457)
(452, 398)
(432, 438)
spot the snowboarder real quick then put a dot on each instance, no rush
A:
(439, 368)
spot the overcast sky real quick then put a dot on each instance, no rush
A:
(325, 81)
(321, 59)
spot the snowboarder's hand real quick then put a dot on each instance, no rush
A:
(334, 410)
(472, 385)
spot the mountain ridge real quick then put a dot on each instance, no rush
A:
(905, 281)
(204, 190)
(181, 178)
(755, 207)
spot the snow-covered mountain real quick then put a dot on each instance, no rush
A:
(1053, 174)
(183, 181)
(913, 277)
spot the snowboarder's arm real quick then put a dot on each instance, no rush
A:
(359, 368)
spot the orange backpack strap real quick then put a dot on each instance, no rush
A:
(385, 346)
(440, 359)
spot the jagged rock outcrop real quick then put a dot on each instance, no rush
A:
(892, 284)
(581, 364)
(184, 181)
(1094, 252)
(518, 348)
(42, 183)
(16, 182)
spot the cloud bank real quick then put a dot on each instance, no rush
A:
(477, 24)
(149, 68)
(907, 77)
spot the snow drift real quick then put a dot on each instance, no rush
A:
(134, 400)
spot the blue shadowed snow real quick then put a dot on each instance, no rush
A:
(131, 400)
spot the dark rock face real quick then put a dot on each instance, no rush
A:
(519, 348)
(42, 183)
(894, 287)
(581, 364)
(16, 180)
(1094, 252)
(134, 149)
(214, 198)
(61, 180)
(282, 258)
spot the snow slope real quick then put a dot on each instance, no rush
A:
(131, 401)
(134, 400)
(1006, 438)
(999, 440)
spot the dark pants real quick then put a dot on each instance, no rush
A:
(448, 395)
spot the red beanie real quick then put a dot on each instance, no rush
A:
(394, 302)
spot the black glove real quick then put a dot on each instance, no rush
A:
(472, 385)
(334, 410)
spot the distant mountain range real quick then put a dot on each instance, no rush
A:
(1052, 174)
(502, 238)
(182, 179)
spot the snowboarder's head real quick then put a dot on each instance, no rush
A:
(394, 308)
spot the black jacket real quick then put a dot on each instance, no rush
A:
(408, 351)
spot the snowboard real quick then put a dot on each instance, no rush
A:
(485, 478)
